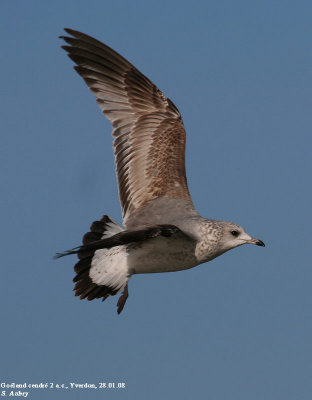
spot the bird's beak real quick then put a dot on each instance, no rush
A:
(258, 242)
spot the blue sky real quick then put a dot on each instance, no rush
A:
(239, 327)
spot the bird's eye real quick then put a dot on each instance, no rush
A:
(235, 233)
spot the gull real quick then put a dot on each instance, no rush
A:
(162, 231)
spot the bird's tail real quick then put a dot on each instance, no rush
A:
(100, 272)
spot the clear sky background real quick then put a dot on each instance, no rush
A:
(239, 327)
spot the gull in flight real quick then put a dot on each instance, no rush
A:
(162, 231)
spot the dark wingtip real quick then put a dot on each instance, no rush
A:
(66, 253)
(60, 255)
(57, 255)
(69, 31)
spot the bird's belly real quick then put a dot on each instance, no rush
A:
(162, 255)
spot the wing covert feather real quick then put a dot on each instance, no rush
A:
(148, 132)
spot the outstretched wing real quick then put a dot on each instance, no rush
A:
(149, 136)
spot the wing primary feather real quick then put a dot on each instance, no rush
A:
(147, 126)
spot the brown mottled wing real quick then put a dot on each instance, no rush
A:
(149, 136)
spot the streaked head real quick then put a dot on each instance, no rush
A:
(234, 235)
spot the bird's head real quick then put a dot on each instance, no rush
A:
(217, 237)
(234, 235)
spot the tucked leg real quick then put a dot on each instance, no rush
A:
(122, 299)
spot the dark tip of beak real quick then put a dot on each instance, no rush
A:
(260, 243)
